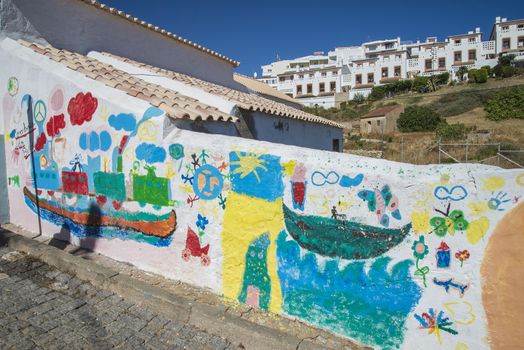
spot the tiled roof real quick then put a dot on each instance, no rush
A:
(242, 99)
(262, 88)
(154, 28)
(379, 112)
(175, 105)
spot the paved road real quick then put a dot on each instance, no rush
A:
(44, 308)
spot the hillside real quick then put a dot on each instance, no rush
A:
(463, 103)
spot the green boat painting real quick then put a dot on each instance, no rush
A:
(337, 238)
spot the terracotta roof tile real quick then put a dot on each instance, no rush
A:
(262, 88)
(154, 28)
(379, 112)
(242, 99)
(173, 103)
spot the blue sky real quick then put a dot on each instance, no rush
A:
(254, 32)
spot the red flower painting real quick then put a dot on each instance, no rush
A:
(40, 142)
(54, 125)
(81, 108)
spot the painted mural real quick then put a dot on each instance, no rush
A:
(387, 254)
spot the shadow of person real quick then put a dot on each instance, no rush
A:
(88, 234)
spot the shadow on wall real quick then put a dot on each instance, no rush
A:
(62, 239)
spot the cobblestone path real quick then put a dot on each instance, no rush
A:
(44, 308)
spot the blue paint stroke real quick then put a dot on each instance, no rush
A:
(122, 121)
(320, 179)
(371, 308)
(456, 193)
(150, 153)
(447, 284)
(346, 181)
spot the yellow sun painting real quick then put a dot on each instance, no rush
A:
(247, 164)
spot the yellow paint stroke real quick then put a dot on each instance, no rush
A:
(245, 219)
(420, 221)
(444, 179)
(129, 154)
(247, 164)
(451, 226)
(148, 131)
(451, 306)
(461, 346)
(477, 229)
(289, 167)
(478, 208)
(103, 113)
(493, 183)
(422, 198)
(520, 179)
(170, 172)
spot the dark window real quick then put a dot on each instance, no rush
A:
(336, 145)
(442, 62)
(309, 88)
(333, 86)
(472, 55)
(429, 65)
(358, 78)
(397, 71)
(321, 87)
(458, 56)
(299, 89)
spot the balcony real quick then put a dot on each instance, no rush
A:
(364, 86)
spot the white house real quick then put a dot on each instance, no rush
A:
(360, 68)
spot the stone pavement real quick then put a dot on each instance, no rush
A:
(44, 308)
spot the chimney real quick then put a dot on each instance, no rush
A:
(477, 30)
(470, 32)
(504, 20)
(497, 19)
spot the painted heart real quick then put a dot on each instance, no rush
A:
(101, 200)
(117, 205)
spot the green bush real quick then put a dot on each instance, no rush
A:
(472, 75)
(377, 93)
(451, 131)
(488, 69)
(508, 71)
(419, 118)
(506, 60)
(420, 84)
(461, 71)
(442, 78)
(506, 104)
(482, 76)
(359, 97)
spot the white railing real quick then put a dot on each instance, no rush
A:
(413, 63)
(488, 46)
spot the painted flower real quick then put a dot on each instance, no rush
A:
(462, 255)
(420, 249)
(176, 151)
(202, 222)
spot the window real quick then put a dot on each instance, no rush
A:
(321, 87)
(336, 145)
(299, 89)
(281, 78)
(398, 57)
(334, 73)
(505, 28)
(428, 64)
(472, 55)
(359, 65)
(309, 88)
(397, 71)
(384, 72)
(378, 122)
(458, 56)
(333, 86)
(520, 26)
(324, 74)
(311, 75)
(371, 78)
(301, 76)
(389, 46)
(471, 40)
(358, 79)
(442, 62)
(520, 42)
(506, 44)
(457, 41)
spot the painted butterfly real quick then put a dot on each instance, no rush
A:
(380, 202)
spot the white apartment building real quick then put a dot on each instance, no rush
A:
(508, 36)
(320, 80)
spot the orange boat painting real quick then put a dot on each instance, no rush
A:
(89, 220)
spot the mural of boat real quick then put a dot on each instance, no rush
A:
(340, 238)
(161, 226)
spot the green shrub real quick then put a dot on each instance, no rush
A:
(488, 69)
(442, 78)
(506, 60)
(419, 118)
(506, 104)
(508, 71)
(497, 70)
(472, 75)
(377, 93)
(451, 131)
(461, 71)
(482, 76)
(359, 97)
(420, 84)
